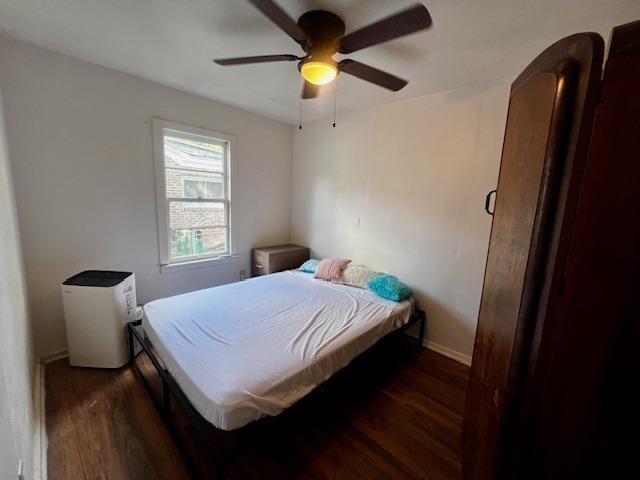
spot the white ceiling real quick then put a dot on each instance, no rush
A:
(172, 42)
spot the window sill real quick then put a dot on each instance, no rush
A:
(202, 263)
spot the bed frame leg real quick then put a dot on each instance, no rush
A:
(130, 341)
(166, 400)
(224, 468)
(131, 338)
(421, 335)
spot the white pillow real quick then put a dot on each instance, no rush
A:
(356, 276)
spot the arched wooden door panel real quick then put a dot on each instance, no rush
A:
(550, 116)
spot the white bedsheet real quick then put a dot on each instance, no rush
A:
(250, 349)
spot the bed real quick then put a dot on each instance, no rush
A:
(239, 352)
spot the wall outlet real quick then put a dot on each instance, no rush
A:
(243, 274)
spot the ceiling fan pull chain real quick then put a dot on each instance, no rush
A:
(300, 117)
(335, 100)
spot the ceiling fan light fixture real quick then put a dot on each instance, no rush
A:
(321, 35)
(318, 73)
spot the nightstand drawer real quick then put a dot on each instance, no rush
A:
(277, 258)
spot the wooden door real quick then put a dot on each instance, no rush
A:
(582, 416)
(548, 125)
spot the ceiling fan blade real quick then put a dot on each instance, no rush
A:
(402, 23)
(258, 59)
(309, 90)
(370, 74)
(278, 16)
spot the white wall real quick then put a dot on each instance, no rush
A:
(415, 174)
(16, 358)
(80, 140)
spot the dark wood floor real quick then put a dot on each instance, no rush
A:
(394, 413)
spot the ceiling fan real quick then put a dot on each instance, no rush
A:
(321, 34)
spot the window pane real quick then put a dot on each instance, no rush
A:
(193, 155)
(193, 188)
(193, 169)
(183, 183)
(192, 215)
(194, 242)
(213, 189)
(186, 185)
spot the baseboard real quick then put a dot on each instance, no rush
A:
(52, 357)
(448, 352)
(39, 423)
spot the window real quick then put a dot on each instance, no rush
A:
(193, 185)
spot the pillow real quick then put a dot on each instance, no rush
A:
(331, 268)
(356, 276)
(389, 287)
(309, 266)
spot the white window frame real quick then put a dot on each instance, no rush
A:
(160, 129)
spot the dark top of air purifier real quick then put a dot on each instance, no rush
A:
(97, 278)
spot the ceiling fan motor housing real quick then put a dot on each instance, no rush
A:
(323, 29)
(321, 26)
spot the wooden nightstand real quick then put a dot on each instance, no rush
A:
(267, 260)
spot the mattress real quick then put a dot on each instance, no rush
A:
(250, 349)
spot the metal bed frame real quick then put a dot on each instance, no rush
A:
(203, 426)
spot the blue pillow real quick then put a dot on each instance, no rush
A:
(389, 287)
(309, 266)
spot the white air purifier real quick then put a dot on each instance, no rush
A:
(97, 307)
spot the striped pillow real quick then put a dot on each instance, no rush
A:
(357, 276)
